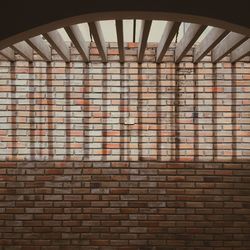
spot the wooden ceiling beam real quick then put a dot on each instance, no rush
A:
(145, 28)
(214, 36)
(120, 39)
(78, 40)
(96, 31)
(170, 31)
(242, 51)
(41, 47)
(228, 44)
(189, 38)
(57, 43)
(8, 53)
(24, 50)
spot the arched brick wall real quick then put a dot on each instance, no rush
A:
(124, 157)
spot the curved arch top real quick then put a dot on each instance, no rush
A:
(20, 20)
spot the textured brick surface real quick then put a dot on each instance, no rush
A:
(90, 154)
(104, 112)
(124, 205)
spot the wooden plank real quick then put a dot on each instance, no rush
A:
(78, 40)
(242, 51)
(40, 46)
(96, 31)
(8, 53)
(24, 50)
(228, 44)
(189, 38)
(170, 31)
(214, 36)
(120, 39)
(145, 28)
(57, 42)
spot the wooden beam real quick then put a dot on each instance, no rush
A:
(247, 59)
(170, 31)
(8, 53)
(228, 44)
(242, 51)
(57, 42)
(214, 36)
(145, 28)
(77, 39)
(24, 50)
(96, 31)
(120, 39)
(40, 46)
(189, 38)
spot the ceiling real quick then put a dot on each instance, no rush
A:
(20, 20)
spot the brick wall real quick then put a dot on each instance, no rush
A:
(124, 205)
(112, 112)
(111, 156)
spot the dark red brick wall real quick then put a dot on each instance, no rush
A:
(124, 205)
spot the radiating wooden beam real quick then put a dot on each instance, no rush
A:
(189, 38)
(247, 59)
(214, 36)
(40, 46)
(77, 39)
(170, 31)
(24, 50)
(228, 44)
(242, 51)
(145, 28)
(96, 31)
(8, 53)
(57, 42)
(120, 39)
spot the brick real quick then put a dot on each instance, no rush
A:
(176, 178)
(54, 171)
(53, 197)
(72, 197)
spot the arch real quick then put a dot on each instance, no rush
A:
(30, 18)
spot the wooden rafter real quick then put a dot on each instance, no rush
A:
(24, 50)
(41, 47)
(170, 31)
(120, 39)
(96, 31)
(242, 51)
(228, 44)
(145, 28)
(57, 42)
(191, 35)
(8, 53)
(214, 36)
(77, 39)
